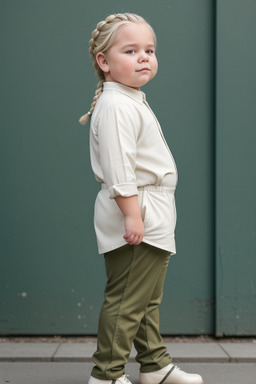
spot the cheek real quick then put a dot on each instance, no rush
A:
(155, 66)
(126, 66)
(128, 70)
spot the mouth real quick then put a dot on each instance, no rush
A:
(143, 70)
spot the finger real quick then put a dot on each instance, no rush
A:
(135, 240)
(129, 238)
(132, 239)
(139, 240)
(127, 235)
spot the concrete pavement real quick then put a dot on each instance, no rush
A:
(205, 352)
(70, 362)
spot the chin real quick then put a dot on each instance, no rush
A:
(144, 83)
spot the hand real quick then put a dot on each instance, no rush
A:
(134, 230)
(134, 227)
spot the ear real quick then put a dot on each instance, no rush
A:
(102, 62)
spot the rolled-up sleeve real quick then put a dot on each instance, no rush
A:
(117, 138)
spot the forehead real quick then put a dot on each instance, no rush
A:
(135, 33)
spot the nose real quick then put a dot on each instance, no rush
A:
(143, 57)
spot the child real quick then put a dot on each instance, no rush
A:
(135, 214)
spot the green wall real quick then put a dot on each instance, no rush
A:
(236, 160)
(51, 277)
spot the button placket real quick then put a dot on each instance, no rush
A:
(161, 133)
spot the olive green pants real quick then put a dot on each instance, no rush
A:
(129, 314)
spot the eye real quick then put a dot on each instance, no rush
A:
(131, 51)
(150, 51)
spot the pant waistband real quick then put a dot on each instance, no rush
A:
(150, 188)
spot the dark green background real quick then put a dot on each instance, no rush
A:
(52, 278)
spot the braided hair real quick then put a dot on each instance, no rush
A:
(103, 38)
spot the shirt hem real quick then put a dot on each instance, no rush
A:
(121, 244)
(111, 248)
(172, 251)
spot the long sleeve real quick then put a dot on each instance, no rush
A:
(117, 139)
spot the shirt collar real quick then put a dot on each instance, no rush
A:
(128, 91)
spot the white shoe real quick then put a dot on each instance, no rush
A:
(121, 380)
(171, 374)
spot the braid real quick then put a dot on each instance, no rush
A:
(102, 39)
(84, 119)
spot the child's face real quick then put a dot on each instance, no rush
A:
(131, 60)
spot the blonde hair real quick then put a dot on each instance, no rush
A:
(103, 38)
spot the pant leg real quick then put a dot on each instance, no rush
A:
(152, 353)
(132, 275)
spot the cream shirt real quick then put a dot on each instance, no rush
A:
(129, 156)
